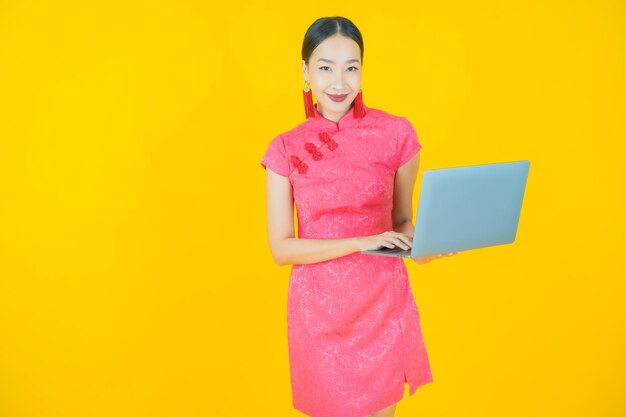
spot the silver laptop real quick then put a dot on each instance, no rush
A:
(465, 208)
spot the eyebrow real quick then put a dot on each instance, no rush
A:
(332, 62)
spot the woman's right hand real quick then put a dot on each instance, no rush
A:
(390, 239)
(425, 259)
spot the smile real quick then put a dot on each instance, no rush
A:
(337, 98)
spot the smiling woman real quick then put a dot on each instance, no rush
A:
(353, 326)
(335, 74)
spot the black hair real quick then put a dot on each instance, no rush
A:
(325, 27)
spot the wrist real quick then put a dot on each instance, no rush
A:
(355, 243)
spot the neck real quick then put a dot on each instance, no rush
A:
(335, 117)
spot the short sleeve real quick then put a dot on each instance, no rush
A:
(275, 157)
(408, 144)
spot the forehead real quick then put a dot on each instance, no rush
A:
(337, 48)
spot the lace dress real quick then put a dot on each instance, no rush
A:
(353, 326)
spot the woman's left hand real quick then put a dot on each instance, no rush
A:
(425, 259)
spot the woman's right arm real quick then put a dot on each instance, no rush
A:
(287, 249)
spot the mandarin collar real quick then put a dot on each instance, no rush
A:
(347, 119)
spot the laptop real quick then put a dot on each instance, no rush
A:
(464, 208)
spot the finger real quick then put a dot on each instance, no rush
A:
(423, 259)
(404, 238)
(388, 238)
(400, 243)
(387, 244)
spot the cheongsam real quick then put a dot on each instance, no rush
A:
(353, 327)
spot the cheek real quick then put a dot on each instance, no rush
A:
(354, 78)
(320, 82)
(322, 77)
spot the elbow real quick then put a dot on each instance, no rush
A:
(279, 258)
(281, 253)
(281, 261)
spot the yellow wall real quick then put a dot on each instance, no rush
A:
(135, 274)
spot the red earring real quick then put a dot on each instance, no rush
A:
(359, 109)
(307, 94)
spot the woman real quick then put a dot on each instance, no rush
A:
(353, 325)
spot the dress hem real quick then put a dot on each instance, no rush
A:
(384, 405)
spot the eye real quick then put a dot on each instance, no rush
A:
(322, 68)
(355, 68)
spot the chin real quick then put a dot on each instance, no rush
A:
(344, 105)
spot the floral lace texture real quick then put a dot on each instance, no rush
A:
(353, 326)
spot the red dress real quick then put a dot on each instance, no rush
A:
(353, 327)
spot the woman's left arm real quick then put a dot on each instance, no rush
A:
(402, 212)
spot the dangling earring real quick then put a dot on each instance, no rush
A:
(307, 94)
(359, 109)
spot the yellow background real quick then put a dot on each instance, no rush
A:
(135, 274)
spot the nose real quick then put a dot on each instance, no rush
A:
(338, 81)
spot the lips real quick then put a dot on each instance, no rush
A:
(337, 97)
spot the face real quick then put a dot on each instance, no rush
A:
(334, 69)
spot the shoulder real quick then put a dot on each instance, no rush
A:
(399, 127)
(305, 126)
(295, 134)
(385, 119)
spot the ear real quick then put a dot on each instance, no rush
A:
(305, 70)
